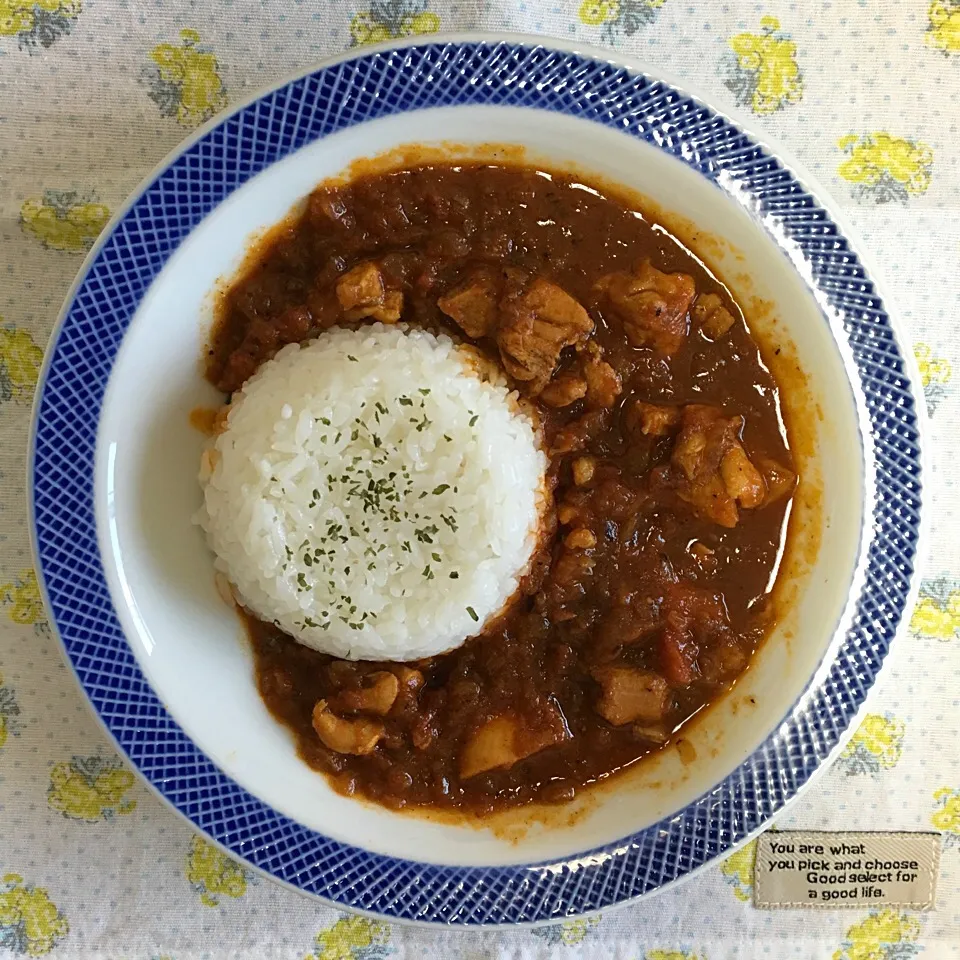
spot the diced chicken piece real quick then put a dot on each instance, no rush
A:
(652, 419)
(377, 696)
(653, 306)
(713, 318)
(711, 470)
(509, 738)
(576, 436)
(410, 683)
(358, 736)
(387, 312)
(362, 294)
(705, 436)
(779, 480)
(580, 539)
(360, 287)
(742, 479)
(583, 469)
(603, 383)
(630, 694)
(409, 678)
(473, 303)
(563, 390)
(538, 320)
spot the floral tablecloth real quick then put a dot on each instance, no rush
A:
(94, 92)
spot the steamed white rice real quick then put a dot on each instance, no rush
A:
(373, 495)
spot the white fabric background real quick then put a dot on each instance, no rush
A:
(91, 864)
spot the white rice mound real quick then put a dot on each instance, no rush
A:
(373, 494)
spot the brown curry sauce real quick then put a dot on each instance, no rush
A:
(654, 591)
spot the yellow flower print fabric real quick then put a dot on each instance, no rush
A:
(184, 80)
(936, 372)
(618, 18)
(38, 24)
(20, 600)
(937, 613)
(20, 361)
(570, 933)
(762, 71)
(31, 925)
(9, 713)
(943, 32)
(946, 815)
(352, 938)
(876, 746)
(64, 219)
(96, 92)
(91, 788)
(884, 168)
(673, 955)
(884, 935)
(392, 19)
(738, 871)
(213, 874)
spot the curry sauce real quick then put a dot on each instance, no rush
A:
(668, 461)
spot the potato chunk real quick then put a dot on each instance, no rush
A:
(630, 694)
(504, 740)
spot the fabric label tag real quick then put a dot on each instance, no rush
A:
(827, 869)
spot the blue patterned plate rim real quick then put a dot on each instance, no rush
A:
(568, 78)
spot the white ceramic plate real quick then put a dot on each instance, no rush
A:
(129, 579)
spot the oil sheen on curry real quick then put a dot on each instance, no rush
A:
(661, 514)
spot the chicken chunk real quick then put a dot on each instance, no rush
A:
(653, 306)
(473, 303)
(377, 696)
(409, 678)
(652, 419)
(603, 383)
(713, 318)
(576, 436)
(360, 286)
(709, 468)
(580, 539)
(779, 480)
(563, 390)
(629, 695)
(357, 736)
(363, 294)
(538, 319)
(741, 478)
(583, 469)
(509, 738)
